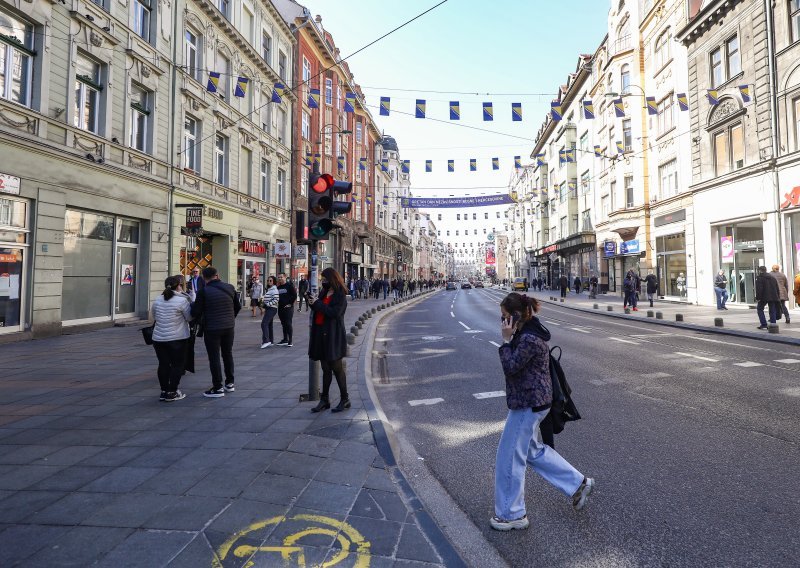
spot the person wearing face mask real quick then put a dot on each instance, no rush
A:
(327, 343)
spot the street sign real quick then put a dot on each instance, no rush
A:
(300, 251)
(194, 220)
(399, 256)
(9, 184)
(282, 250)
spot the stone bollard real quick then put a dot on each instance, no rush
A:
(773, 328)
(354, 330)
(596, 306)
(373, 311)
(659, 316)
(351, 338)
(627, 310)
(650, 313)
(718, 322)
(678, 317)
(610, 308)
(359, 324)
(379, 307)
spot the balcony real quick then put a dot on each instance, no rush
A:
(621, 44)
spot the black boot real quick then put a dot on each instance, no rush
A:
(344, 403)
(323, 404)
(651, 303)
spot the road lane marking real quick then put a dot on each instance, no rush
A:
(597, 382)
(551, 322)
(495, 343)
(473, 331)
(465, 325)
(787, 361)
(580, 330)
(425, 401)
(645, 335)
(452, 315)
(697, 357)
(748, 364)
(656, 375)
(492, 394)
(624, 340)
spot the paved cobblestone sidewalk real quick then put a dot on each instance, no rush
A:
(94, 470)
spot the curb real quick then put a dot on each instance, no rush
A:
(386, 441)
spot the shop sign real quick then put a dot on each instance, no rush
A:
(214, 213)
(399, 256)
(194, 220)
(282, 251)
(300, 251)
(252, 247)
(355, 258)
(9, 184)
(551, 248)
(791, 199)
(726, 245)
(629, 247)
(670, 218)
(609, 248)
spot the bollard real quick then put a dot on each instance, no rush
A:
(380, 308)
(354, 330)
(659, 316)
(773, 328)
(359, 324)
(678, 317)
(351, 339)
(610, 308)
(596, 306)
(373, 311)
(650, 313)
(627, 310)
(718, 322)
(562, 300)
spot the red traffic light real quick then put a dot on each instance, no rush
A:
(322, 183)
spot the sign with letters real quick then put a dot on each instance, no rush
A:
(9, 184)
(194, 220)
(282, 251)
(609, 248)
(629, 247)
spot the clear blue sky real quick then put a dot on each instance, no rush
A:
(524, 48)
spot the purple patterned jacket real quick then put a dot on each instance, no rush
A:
(526, 364)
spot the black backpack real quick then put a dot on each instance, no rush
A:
(563, 410)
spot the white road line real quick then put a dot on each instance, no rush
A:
(492, 394)
(787, 361)
(656, 376)
(425, 402)
(748, 364)
(646, 335)
(580, 330)
(623, 340)
(452, 315)
(551, 322)
(495, 343)
(697, 357)
(465, 325)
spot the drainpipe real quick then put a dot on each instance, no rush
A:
(171, 137)
(774, 126)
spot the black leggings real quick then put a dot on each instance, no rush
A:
(330, 368)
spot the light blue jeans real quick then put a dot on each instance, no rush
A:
(518, 447)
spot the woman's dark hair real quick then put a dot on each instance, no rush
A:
(334, 280)
(526, 306)
(271, 279)
(170, 284)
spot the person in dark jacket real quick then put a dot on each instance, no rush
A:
(218, 304)
(783, 292)
(287, 296)
(577, 284)
(525, 357)
(563, 283)
(593, 286)
(194, 283)
(651, 284)
(302, 288)
(327, 343)
(767, 294)
(721, 289)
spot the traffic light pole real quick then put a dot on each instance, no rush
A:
(313, 366)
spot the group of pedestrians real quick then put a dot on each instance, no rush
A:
(363, 288)
(279, 300)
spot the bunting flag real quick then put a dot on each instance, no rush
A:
(213, 82)
(569, 154)
(385, 201)
(598, 153)
(428, 166)
(316, 159)
(369, 199)
(385, 105)
(683, 101)
(405, 166)
(556, 111)
(495, 163)
(652, 106)
(572, 186)
(385, 165)
(340, 163)
(277, 92)
(420, 113)
(713, 97)
(455, 110)
(473, 165)
(354, 198)
(362, 164)
(540, 159)
(516, 112)
(241, 87)
(620, 147)
(308, 158)
(517, 162)
(349, 102)
(488, 112)
(562, 157)
(619, 108)
(313, 98)
(451, 166)
(744, 91)
(588, 110)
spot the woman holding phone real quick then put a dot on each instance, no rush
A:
(328, 343)
(525, 357)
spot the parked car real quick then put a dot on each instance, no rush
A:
(450, 286)
(520, 284)
(466, 286)
(479, 284)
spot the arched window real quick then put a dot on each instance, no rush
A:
(625, 79)
(662, 50)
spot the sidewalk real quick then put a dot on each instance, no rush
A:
(737, 320)
(94, 470)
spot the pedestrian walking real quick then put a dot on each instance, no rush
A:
(302, 288)
(563, 283)
(218, 305)
(270, 310)
(525, 357)
(783, 292)
(195, 284)
(577, 285)
(721, 289)
(327, 343)
(629, 288)
(593, 286)
(255, 293)
(287, 296)
(767, 294)
(171, 312)
(651, 286)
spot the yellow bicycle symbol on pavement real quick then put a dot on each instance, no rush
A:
(291, 551)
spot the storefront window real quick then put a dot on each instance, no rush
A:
(88, 265)
(671, 255)
(794, 223)
(741, 252)
(10, 286)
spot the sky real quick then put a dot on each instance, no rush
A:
(501, 52)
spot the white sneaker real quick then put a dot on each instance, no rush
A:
(582, 494)
(265, 345)
(499, 524)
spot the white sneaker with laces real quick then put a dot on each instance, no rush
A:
(499, 524)
(265, 345)
(582, 494)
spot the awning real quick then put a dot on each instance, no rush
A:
(626, 233)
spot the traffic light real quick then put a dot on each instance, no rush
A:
(322, 204)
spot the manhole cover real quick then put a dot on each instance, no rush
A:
(432, 337)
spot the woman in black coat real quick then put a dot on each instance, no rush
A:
(328, 343)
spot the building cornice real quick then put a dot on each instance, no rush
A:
(703, 21)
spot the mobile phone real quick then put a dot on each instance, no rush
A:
(515, 317)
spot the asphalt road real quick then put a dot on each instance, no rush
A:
(692, 437)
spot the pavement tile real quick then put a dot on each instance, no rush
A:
(274, 488)
(121, 480)
(335, 431)
(414, 546)
(72, 478)
(379, 478)
(173, 481)
(72, 509)
(296, 465)
(272, 441)
(205, 458)
(21, 541)
(392, 506)
(27, 475)
(187, 513)
(327, 497)
(224, 482)
(159, 457)
(227, 552)
(365, 506)
(79, 546)
(34, 436)
(343, 473)
(185, 439)
(243, 514)
(114, 456)
(382, 535)
(197, 553)
(129, 510)
(146, 549)
(254, 460)
(69, 455)
(229, 440)
(314, 445)
(294, 522)
(400, 563)
(356, 452)
(294, 425)
(23, 455)
(32, 421)
(23, 504)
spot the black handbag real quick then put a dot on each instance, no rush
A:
(147, 334)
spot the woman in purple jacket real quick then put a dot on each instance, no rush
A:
(525, 357)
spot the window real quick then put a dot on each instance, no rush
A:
(223, 66)
(563, 190)
(585, 182)
(734, 56)
(305, 125)
(192, 45)
(668, 176)
(604, 206)
(16, 59)
(266, 47)
(729, 149)
(612, 144)
(328, 91)
(458, 216)
(281, 128)
(474, 216)
(662, 49)
(440, 216)
(485, 216)
(722, 71)
(794, 17)
(306, 78)
(563, 228)
(224, 7)
(584, 144)
(627, 141)
(141, 103)
(141, 18)
(717, 75)
(191, 146)
(247, 23)
(282, 65)
(574, 226)
(359, 132)
(266, 113)
(613, 196)
(796, 105)
(281, 188)
(246, 171)
(456, 232)
(625, 79)
(629, 191)
(666, 115)
(221, 160)
(87, 94)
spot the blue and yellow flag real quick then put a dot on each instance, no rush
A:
(516, 112)
(405, 166)
(420, 112)
(313, 98)
(241, 87)
(744, 91)
(455, 110)
(340, 163)
(495, 163)
(308, 158)
(349, 102)
(556, 111)
(517, 162)
(683, 101)
(588, 110)
(598, 153)
(488, 112)
(386, 103)
(652, 106)
(540, 159)
(428, 166)
(354, 198)
(385, 201)
(569, 154)
(619, 108)
(385, 165)
(362, 164)
(277, 92)
(369, 199)
(473, 165)
(572, 186)
(451, 166)
(213, 82)
(620, 147)
(316, 159)
(713, 97)
(562, 157)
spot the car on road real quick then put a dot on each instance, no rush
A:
(466, 286)
(450, 286)
(479, 284)
(520, 284)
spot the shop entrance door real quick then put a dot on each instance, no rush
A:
(11, 272)
(127, 273)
